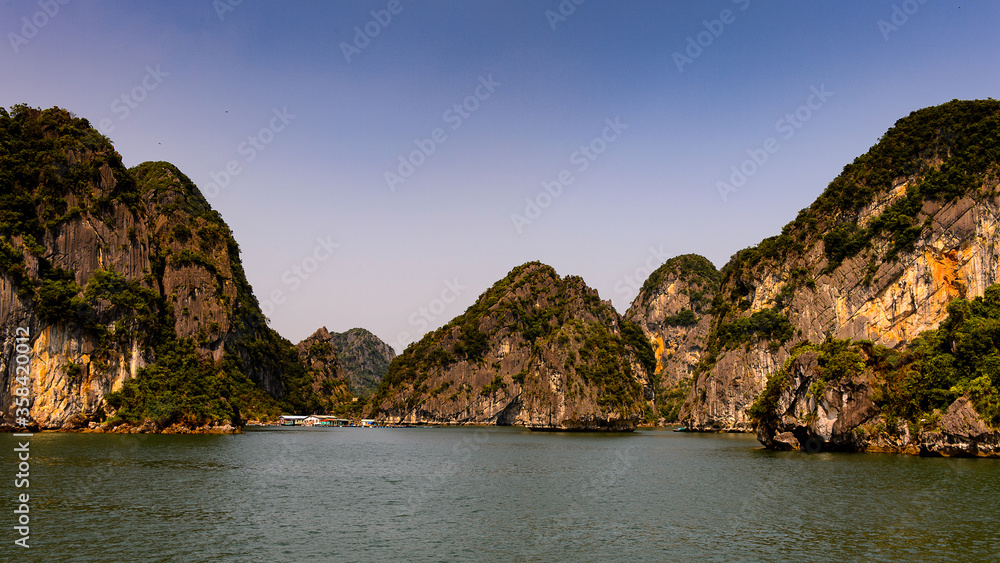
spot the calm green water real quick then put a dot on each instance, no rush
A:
(461, 494)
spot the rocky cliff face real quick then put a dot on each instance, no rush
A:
(842, 416)
(535, 350)
(328, 379)
(364, 357)
(111, 271)
(673, 311)
(905, 229)
(195, 265)
(58, 228)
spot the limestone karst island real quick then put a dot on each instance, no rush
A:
(451, 281)
(867, 323)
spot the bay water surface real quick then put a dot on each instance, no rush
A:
(490, 494)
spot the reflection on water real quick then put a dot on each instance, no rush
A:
(460, 494)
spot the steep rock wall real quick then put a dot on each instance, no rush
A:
(905, 229)
(102, 264)
(536, 350)
(673, 311)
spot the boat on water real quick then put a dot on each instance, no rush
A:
(680, 429)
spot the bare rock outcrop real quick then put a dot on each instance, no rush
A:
(843, 417)
(328, 382)
(106, 269)
(673, 310)
(904, 230)
(364, 358)
(535, 350)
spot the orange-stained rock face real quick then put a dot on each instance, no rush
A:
(946, 271)
(658, 348)
(151, 226)
(684, 283)
(960, 257)
(58, 394)
(873, 293)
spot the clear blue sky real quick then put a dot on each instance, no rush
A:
(267, 90)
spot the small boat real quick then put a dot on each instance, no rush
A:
(680, 429)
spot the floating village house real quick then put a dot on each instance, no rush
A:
(292, 419)
(324, 420)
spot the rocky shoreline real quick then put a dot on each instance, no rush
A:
(843, 418)
(960, 433)
(589, 424)
(147, 427)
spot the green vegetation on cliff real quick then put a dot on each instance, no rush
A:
(364, 358)
(58, 175)
(959, 358)
(46, 156)
(944, 151)
(767, 325)
(671, 400)
(603, 364)
(38, 175)
(181, 388)
(534, 310)
(941, 153)
(439, 349)
(836, 360)
(635, 340)
(699, 275)
(684, 317)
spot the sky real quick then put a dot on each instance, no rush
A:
(382, 163)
